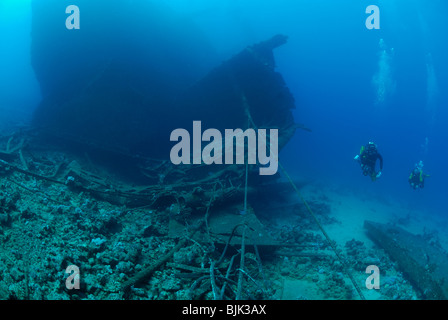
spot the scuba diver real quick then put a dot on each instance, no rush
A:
(367, 157)
(417, 177)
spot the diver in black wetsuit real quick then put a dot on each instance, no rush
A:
(368, 155)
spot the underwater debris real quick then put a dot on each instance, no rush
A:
(174, 245)
(179, 238)
(422, 262)
(69, 203)
(177, 232)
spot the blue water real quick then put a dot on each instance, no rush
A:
(18, 86)
(351, 85)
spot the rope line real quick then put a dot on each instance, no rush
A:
(327, 237)
(247, 169)
(331, 242)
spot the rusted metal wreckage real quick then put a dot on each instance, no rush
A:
(424, 263)
(113, 100)
(210, 198)
(246, 85)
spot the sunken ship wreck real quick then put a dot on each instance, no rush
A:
(90, 186)
(93, 170)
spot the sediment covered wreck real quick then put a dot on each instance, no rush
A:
(116, 88)
(113, 92)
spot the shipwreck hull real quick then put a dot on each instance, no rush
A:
(120, 89)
